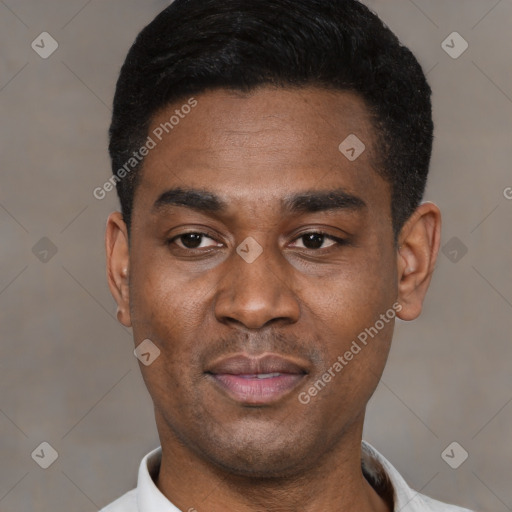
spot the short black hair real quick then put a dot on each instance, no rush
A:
(194, 46)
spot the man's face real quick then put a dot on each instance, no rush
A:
(242, 338)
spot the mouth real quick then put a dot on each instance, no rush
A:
(258, 380)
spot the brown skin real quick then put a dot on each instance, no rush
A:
(301, 301)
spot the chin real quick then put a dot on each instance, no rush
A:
(255, 464)
(250, 453)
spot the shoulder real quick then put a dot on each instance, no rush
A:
(436, 506)
(384, 475)
(126, 503)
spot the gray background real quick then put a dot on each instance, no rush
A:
(67, 372)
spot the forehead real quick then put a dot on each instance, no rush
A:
(253, 147)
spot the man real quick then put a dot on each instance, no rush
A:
(270, 157)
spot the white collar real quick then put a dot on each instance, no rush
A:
(148, 497)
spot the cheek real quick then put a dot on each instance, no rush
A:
(347, 310)
(355, 347)
(165, 297)
(354, 297)
(168, 312)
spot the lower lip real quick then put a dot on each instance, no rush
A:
(255, 391)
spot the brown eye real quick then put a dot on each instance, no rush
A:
(193, 241)
(315, 241)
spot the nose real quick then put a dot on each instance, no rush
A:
(256, 293)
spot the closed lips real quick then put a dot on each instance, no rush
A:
(262, 365)
(257, 381)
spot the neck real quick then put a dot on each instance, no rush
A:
(333, 484)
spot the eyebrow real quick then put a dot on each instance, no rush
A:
(312, 201)
(323, 200)
(196, 199)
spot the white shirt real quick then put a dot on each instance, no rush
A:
(148, 498)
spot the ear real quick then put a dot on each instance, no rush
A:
(118, 265)
(418, 246)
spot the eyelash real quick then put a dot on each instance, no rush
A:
(339, 241)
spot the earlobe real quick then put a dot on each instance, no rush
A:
(416, 258)
(118, 259)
